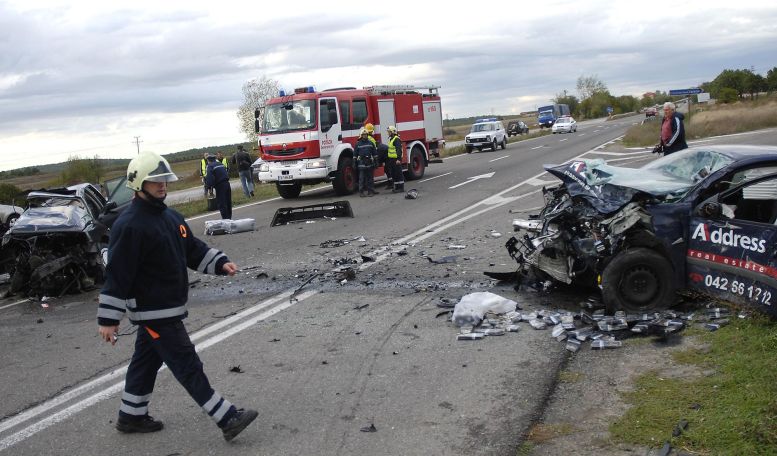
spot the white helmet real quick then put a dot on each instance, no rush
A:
(148, 166)
(392, 129)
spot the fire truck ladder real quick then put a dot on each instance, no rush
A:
(402, 88)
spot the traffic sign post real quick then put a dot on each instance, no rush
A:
(680, 92)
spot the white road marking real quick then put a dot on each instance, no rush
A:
(562, 140)
(432, 178)
(498, 158)
(14, 304)
(473, 179)
(539, 182)
(538, 147)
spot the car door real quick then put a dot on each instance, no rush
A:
(119, 197)
(732, 251)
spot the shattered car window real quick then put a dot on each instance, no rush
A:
(690, 165)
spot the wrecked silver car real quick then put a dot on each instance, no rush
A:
(702, 219)
(56, 245)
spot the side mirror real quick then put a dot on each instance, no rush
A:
(711, 210)
(257, 113)
(257, 127)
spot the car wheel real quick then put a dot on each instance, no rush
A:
(289, 191)
(638, 280)
(504, 143)
(493, 145)
(345, 180)
(469, 150)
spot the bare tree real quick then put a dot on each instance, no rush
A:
(587, 86)
(256, 92)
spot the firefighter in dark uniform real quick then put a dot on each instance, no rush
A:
(382, 150)
(217, 177)
(146, 278)
(394, 160)
(366, 158)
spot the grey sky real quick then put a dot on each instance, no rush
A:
(80, 77)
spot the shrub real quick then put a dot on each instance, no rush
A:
(728, 95)
(9, 193)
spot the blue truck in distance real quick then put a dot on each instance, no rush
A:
(547, 115)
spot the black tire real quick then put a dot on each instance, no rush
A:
(638, 280)
(493, 145)
(469, 149)
(345, 181)
(289, 191)
(416, 165)
(504, 143)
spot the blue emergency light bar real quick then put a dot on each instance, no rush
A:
(490, 119)
(308, 89)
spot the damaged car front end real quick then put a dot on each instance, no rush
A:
(627, 230)
(58, 245)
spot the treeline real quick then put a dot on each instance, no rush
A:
(729, 86)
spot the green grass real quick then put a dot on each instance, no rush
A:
(737, 397)
(709, 121)
(200, 206)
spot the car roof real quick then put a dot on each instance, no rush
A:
(738, 151)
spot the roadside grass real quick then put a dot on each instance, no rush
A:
(714, 120)
(731, 409)
(200, 205)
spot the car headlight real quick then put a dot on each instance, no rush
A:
(488, 138)
(314, 164)
(264, 167)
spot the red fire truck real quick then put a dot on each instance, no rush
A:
(308, 137)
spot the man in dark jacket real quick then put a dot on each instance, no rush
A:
(243, 162)
(217, 177)
(366, 158)
(146, 278)
(672, 131)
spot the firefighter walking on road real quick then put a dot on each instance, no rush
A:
(394, 160)
(366, 159)
(218, 178)
(149, 251)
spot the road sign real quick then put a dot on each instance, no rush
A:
(685, 91)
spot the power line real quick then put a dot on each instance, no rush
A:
(137, 143)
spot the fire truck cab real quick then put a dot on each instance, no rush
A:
(308, 137)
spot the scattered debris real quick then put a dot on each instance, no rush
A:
(287, 215)
(236, 369)
(370, 428)
(361, 306)
(456, 247)
(443, 260)
(471, 308)
(411, 194)
(368, 259)
(334, 243)
(681, 426)
(446, 303)
(227, 226)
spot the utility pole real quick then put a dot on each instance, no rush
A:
(137, 143)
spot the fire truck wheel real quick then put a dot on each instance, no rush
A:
(289, 191)
(416, 165)
(345, 179)
(638, 280)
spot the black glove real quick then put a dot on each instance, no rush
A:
(659, 149)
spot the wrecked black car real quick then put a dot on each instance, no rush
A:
(58, 244)
(701, 219)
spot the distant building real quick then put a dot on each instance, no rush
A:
(649, 95)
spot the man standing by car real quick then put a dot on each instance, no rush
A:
(218, 178)
(243, 162)
(672, 131)
(150, 248)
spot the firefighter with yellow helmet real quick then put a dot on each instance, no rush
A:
(149, 251)
(366, 159)
(394, 160)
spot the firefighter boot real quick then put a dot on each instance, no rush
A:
(237, 423)
(142, 425)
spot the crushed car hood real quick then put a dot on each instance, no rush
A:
(609, 188)
(51, 219)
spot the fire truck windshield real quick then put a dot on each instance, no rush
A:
(289, 116)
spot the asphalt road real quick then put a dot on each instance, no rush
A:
(343, 352)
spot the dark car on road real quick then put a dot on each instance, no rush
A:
(59, 243)
(702, 219)
(517, 127)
